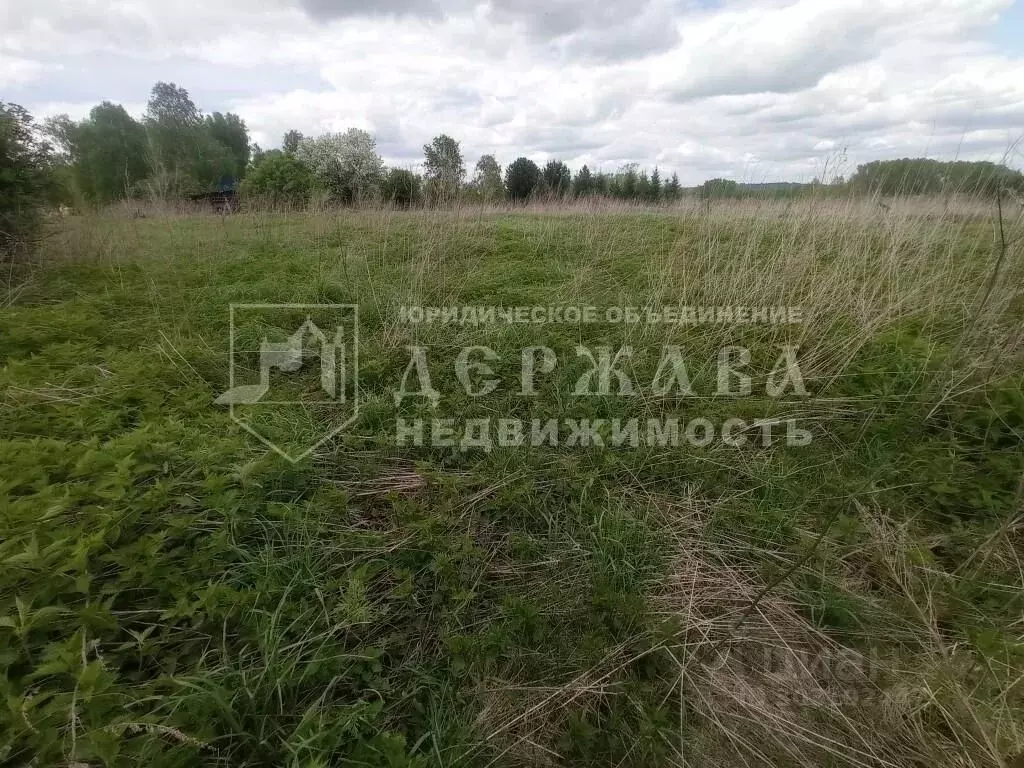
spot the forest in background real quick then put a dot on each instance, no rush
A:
(176, 151)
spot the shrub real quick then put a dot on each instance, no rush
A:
(719, 188)
(401, 188)
(280, 179)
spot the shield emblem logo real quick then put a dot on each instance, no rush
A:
(294, 373)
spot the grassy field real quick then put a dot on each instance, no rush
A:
(172, 593)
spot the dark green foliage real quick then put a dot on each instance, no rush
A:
(279, 179)
(290, 142)
(107, 152)
(173, 151)
(583, 184)
(557, 178)
(173, 123)
(643, 187)
(258, 155)
(673, 190)
(626, 181)
(187, 152)
(522, 177)
(400, 187)
(229, 131)
(921, 176)
(654, 188)
(23, 180)
(718, 188)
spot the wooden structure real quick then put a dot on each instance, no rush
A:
(223, 198)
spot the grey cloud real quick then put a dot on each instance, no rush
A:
(557, 140)
(387, 128)
(327, 10)
(116, 77)
(625, 42)
(794, 72)
(458, 97)
(565, 78)
(739, 54)
(549, 19)
(611, 30)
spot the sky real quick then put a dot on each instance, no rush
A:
(752, 90)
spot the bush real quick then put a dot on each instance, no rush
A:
(280, 179)
(23, 180)
(401, 188)
(719, 188)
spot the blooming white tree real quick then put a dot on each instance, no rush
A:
(346, 163)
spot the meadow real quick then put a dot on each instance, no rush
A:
(174, 593)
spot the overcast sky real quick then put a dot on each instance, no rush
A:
(752, 90)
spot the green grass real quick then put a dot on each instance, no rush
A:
(173, 593)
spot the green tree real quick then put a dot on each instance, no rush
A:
(643, 186)
(279, 179)
(654, 189)
(557, 178)
(257, 155)
(290, 142)
(173, 127)
(346, 164)
(106, 153)
(230, 132)
(923, 176)
(401, 188)
(673, 190)
(487, 179)
(23, 180)
(717, 188)
(443, 168)
(583, 184)
(626, 182)
(522, 177)
(170, 105)
(188, 153)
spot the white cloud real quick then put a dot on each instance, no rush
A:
(749, 89)
(16, 71)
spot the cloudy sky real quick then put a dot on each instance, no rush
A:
(753, 90)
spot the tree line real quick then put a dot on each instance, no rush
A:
(346, 168)
(175, 150)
